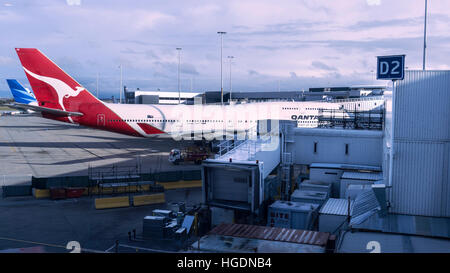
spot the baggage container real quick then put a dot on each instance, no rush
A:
(74, 192)
(40, 193)
(57, 193)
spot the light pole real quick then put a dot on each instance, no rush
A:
(121, 84)
(231, 86)
(179, 63)
(425, 35)
(221, 33)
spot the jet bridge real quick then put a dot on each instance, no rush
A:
(235, 179)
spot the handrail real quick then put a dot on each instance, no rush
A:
(358, 99)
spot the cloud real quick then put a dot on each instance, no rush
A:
(73, 2)
(131, 41)
(148, 54)
(322, 66)
(252, 72)
(373, 2)
(399, 22)
(299, 43)
(5, 60)
(188, 69)
(204, 10)
(149, 19)
(171, 68)
(9, 16)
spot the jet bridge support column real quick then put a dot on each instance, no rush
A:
(286, 160)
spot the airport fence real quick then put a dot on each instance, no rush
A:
(60, 182)
(84, 181)
(16, 190)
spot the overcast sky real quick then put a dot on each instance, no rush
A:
(295, 44)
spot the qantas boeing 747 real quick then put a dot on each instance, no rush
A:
(62, 98)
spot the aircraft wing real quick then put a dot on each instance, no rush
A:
(22, 106)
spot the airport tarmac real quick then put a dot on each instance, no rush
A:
(51, 224)
(34, 146)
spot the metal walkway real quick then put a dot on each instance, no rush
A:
(268, 148)
(236, 178)
(265, 149)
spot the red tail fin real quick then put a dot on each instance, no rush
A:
(55, 89)
(51, 85)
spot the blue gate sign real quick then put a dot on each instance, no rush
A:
(391, 67)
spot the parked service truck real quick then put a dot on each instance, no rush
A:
(194, 154)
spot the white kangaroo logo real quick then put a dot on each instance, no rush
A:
(61, 88)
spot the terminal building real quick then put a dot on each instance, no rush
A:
(391, 183)
(159, 97)
(313, 94)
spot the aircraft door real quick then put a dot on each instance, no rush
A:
(101, 120)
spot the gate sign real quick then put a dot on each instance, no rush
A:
(391, 67)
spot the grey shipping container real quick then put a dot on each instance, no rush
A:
(315, 197)
(295, 215)
(310, 185)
